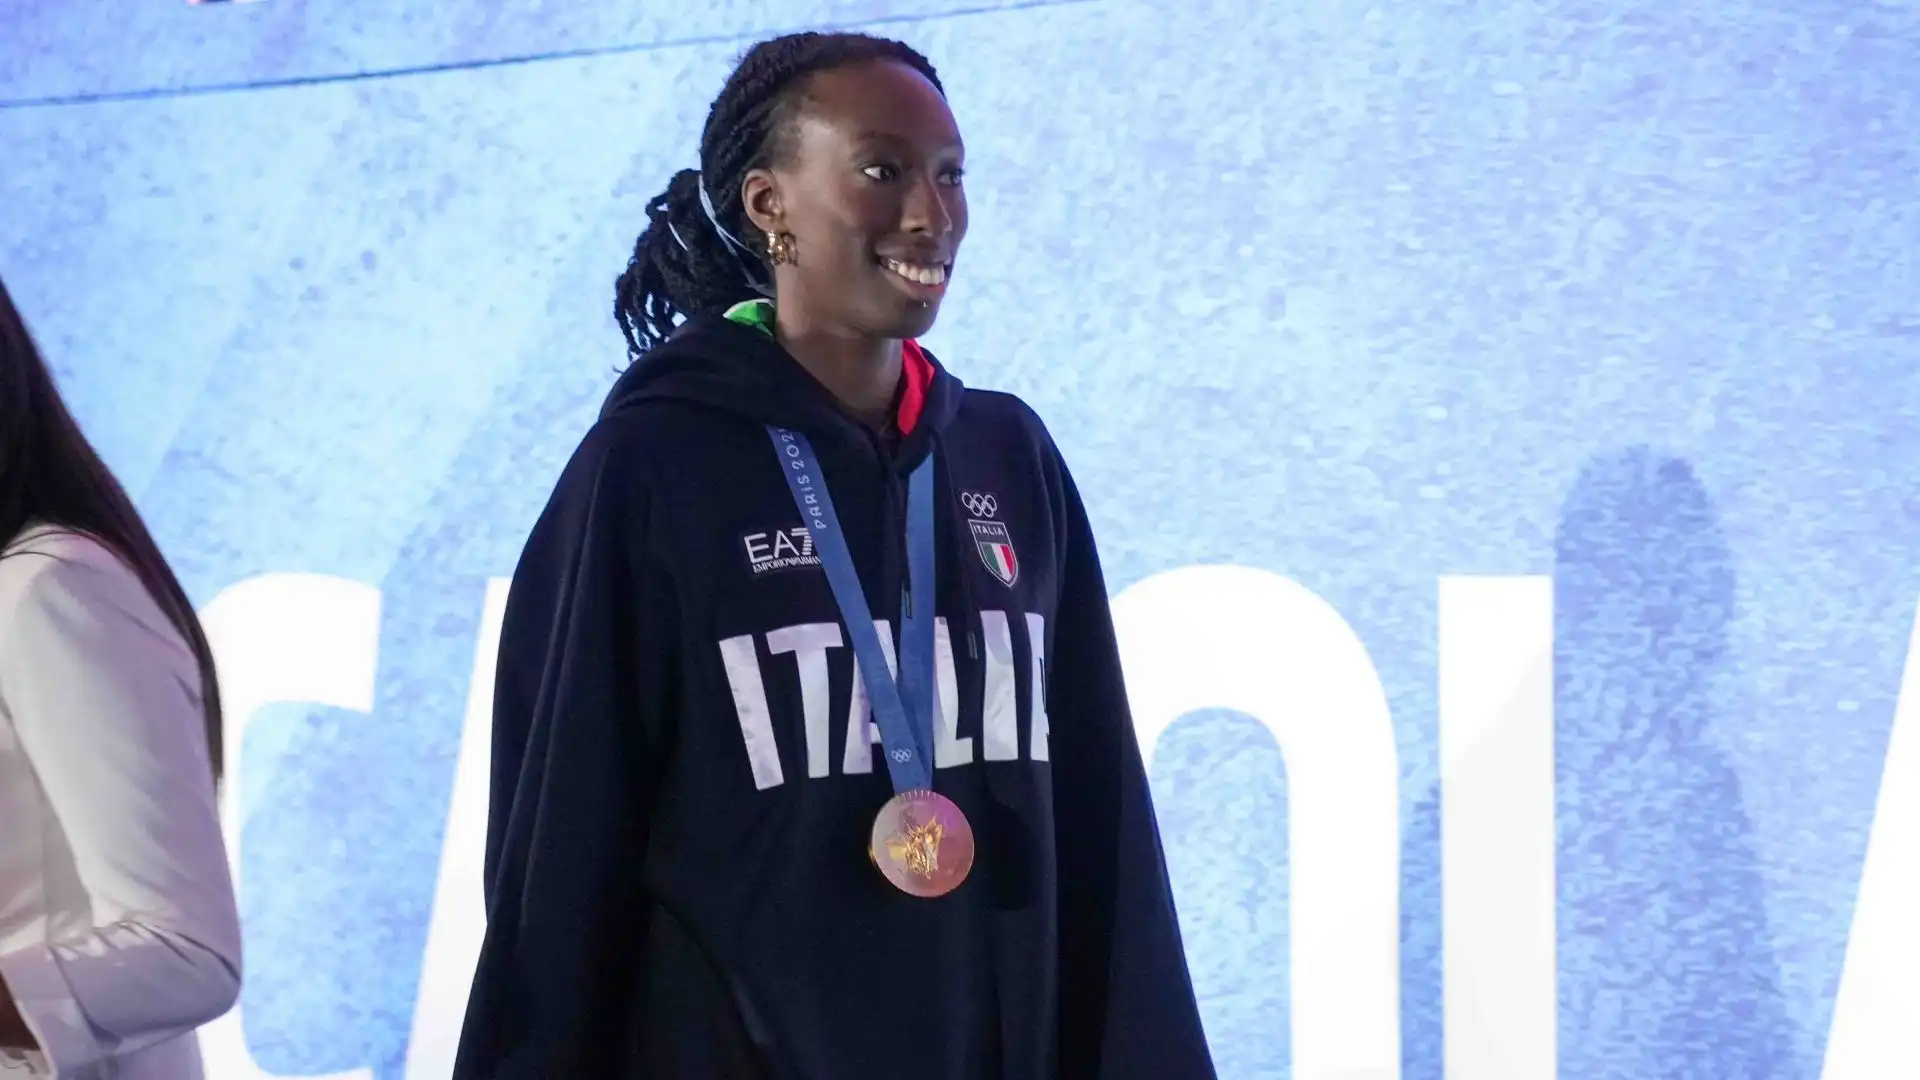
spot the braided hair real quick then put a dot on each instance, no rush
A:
(681, 265)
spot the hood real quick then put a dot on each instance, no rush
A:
(735, 367)
(732, 364)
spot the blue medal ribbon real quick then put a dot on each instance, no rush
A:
(903, 709)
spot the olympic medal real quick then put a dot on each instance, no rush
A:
(922, 843)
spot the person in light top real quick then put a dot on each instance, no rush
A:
(118, 932)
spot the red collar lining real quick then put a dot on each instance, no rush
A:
(916, 373)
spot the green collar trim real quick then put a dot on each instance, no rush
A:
(755, 313)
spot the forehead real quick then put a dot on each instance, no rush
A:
(878, 100)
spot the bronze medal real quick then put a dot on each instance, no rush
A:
(922, 843)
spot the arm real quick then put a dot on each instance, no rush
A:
(105, 701)
(1127, 1008)
(583, 676)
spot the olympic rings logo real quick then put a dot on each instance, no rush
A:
(979, 505)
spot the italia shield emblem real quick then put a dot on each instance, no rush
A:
(996, 550)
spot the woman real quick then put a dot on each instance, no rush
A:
(118, 934)
(725, 843)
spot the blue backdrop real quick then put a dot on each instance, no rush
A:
(1357, 293)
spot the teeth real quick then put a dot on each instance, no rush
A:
(924, 275)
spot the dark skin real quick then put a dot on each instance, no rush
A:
(873, 177)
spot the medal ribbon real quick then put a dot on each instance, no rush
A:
(903, 709)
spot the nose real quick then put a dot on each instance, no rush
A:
(926, 210)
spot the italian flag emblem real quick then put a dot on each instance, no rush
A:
(996, 550)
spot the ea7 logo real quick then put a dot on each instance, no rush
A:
(785, 549)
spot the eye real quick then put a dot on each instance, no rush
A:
(952, 177)
(881, 173)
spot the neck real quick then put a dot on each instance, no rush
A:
(862, 372)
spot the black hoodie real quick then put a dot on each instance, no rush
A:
(677, 878)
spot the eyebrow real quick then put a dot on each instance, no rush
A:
(888, 137)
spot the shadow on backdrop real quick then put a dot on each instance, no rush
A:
(1666, 963)
(1667, 968)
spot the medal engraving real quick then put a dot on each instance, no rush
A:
(922, 844)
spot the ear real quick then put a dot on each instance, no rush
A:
(760, 195)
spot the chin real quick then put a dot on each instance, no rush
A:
(910, 321)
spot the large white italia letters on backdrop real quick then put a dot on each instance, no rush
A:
(1876, 1017)
(1498, 973)
(1195, 638)
(312, 638)
(1230, 637)
(281, 638)
(459, 912)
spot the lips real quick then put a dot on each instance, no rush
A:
(930, 275)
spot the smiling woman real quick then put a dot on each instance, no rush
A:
(695, 871)
(831, 175)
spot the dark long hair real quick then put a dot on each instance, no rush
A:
(50, 474)
(681, 265)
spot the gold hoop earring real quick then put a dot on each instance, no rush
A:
(780, 248)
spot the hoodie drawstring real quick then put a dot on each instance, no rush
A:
(970, 613)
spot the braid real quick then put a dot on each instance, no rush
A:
(681, 266)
